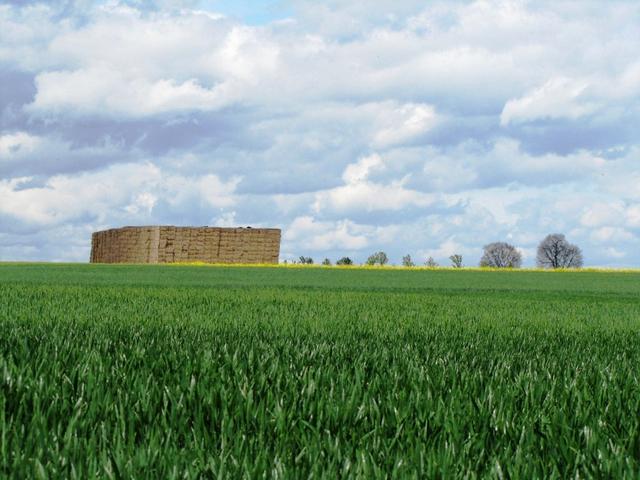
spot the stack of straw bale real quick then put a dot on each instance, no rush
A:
(168, 244)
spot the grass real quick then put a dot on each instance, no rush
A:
(186, 372)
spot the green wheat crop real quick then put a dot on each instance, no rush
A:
(188, 372)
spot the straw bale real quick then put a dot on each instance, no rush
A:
(165, 244)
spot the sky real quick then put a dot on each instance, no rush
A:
(412, 127)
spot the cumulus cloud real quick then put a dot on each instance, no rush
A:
(557, 98)
(601, 213)
(190, 60)
(614, 253)
(128, 191)
(359, 172)
(503, 161)
(314, 235)
(360, 194)
(18, 143)
(633, 216)
(444, 250)
(23, 154)
(348, 124)
(109, 92)
(611, 235)
(404, 123)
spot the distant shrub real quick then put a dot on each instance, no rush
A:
(306, 260)
(344, 261)
(326, 261)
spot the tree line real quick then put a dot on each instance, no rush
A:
(554, 251)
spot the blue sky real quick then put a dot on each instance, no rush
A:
(428, 128)
(250, 12)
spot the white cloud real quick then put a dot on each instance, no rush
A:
(57, 200)
(189, 55)
(370, 197)
(226, 219)
(16, 144)
(119, 193)
(501, 162)
(633, 216)
(142, 203)
(379, 126)
(600, 214)
(25, 34)
(359, 171)
(208, 189)
(361, 194)
(614, 253)
(404, 123)
(444, 250)
(110, 92)
(557, 98)
(308, 234)
(611, 234)
(507, 156)
(629, 83)
(449, 173)
(127, 63)
(351, 123)
(24, 154)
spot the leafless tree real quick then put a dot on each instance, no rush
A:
(556, 252)
(407, 262)
(431, 263)
(378, 258)
(501, 255)
(456, 260)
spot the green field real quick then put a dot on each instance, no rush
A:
(186, 372)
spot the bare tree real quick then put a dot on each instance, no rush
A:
(555, 252)
(407, 262)
(501, 255)
(456, 260)
(379, 258)
(431, 263)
